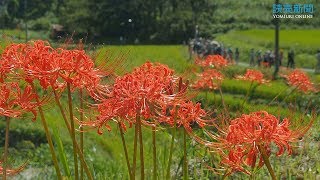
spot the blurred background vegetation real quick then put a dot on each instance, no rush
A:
(152, 21)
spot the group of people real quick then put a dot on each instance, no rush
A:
(229, 55)
(267, 59)
(203, 47)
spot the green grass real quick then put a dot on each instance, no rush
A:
(18, 35)
(304, 39)
(174, 56)
(303, 42)
(15, 33)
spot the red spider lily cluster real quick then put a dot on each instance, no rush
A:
(149, 92)
(208, 79)
(52, 67)
(239, 147)
(253, 76)
(300, 80)
(133, 94)
(189, 113)
(215, 61)
(14, 101)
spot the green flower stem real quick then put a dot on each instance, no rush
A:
(252, 176)
(206, 96)
(136, 130)
(81, 130)
(222, 100)
(154, 147)
(267, 162)
(6, 145)
(278, 95)
(247, 95)
(141, 149)
(185, 160)
(293, 90)
(225, 175)
(168, 176)
(48, 136)
(125, 151)
(214, 98)
(73, 134)
(82, 160)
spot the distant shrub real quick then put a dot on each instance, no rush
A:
(21, 134)
(40, 24)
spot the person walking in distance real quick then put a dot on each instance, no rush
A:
(290, 59)
(229, 55)
(237, 55)
(252, 57)
(317, 71)
(259, 57)
(280, 57)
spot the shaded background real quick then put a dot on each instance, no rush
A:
(148, 21)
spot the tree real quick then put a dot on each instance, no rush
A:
(28, 9)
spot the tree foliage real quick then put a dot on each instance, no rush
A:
(150, 21)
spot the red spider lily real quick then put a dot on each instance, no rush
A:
(239, 146)
(52, 67)
(253, 76)
(107, 110)
(136, 94)
(216, 61)
(150, 91)
(207, 78)
(32, 61)
(77, 68)
(300, 80)
(14, 102)
(234, 160)
(189, 113)
(139, 89)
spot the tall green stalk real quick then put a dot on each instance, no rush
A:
(278, 95)
(81, 156)
(225, 174)
(125, 151)
(141, 149)
(6, 145)
(247, 95)
(206, 96)
(185, 160)
(61, 152)
(136, 130)
(154, 147)
(48, 136)
(76, 171)
(252, 176)
(81, 130)
(222, 100)
(267, 162)
(214, 98)
(168, 176)
(293, 90)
